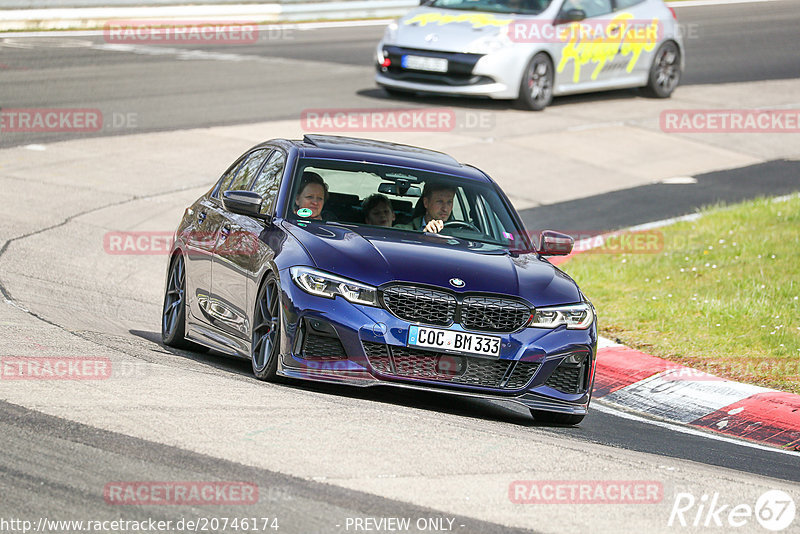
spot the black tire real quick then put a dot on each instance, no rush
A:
(173, 313)
(536, 87)
(557, 418)
(665, 72)
(267, 335)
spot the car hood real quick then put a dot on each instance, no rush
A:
(376, 256)
(450, 30)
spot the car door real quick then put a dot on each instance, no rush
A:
(638, 47)
(200, 237)
(239, 253)
(583, 53)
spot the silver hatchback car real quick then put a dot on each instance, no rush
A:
(532, 50)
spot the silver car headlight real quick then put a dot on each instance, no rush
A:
(490, 43)
(390, 34)
(574, 316)
(329, 285)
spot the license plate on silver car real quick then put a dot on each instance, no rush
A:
(455, 340)
(434, 64)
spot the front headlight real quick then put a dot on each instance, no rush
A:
(328, 285)
(390, 34)
(490, 43)
(574, 316)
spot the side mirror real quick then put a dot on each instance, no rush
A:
(554, 243)
(243, 202)
(571, 15)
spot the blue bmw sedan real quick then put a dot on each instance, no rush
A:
(367, 263)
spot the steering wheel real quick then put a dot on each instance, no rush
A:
(461, 224)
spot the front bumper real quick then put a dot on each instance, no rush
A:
(496, 75)
(332, 340)
(530, 400)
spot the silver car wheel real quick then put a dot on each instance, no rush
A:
(266, 331)
(665, 72)
(173, 300)
(536, 87)
(539, 80)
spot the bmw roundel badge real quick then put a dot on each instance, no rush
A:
(456, 282)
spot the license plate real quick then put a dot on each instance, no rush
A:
(454, 340)
(435, 64)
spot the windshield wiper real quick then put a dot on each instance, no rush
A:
(520, 251)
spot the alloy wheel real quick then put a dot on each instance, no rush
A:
(266, 330)
(171, 318)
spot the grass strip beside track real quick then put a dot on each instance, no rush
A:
(721, 296)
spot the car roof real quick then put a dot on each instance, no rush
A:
(383, 152)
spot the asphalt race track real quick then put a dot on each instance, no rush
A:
(323, 456)
(173, 88)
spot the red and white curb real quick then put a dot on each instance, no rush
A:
(639, 382)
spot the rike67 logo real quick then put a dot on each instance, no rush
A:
(774, 510)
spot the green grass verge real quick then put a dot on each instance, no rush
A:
(722, 296)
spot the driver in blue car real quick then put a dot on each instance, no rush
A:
(437, 201)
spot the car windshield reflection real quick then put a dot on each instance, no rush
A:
(519, 7)
(358, 194)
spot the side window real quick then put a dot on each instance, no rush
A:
(225, 181)
(592, 8)
(458, 211)
(248, 170)
(269, 181)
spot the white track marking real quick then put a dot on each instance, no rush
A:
(679, 180)
(605, 343)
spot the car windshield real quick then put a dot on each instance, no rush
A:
(517, 7)
(363, 194)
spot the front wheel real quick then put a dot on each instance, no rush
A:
(557, 418)
(173, 316)
(665, 72)
(536, 87)
(266, 340)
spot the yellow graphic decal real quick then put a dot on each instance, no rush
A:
(477, 20)
(604, 42)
